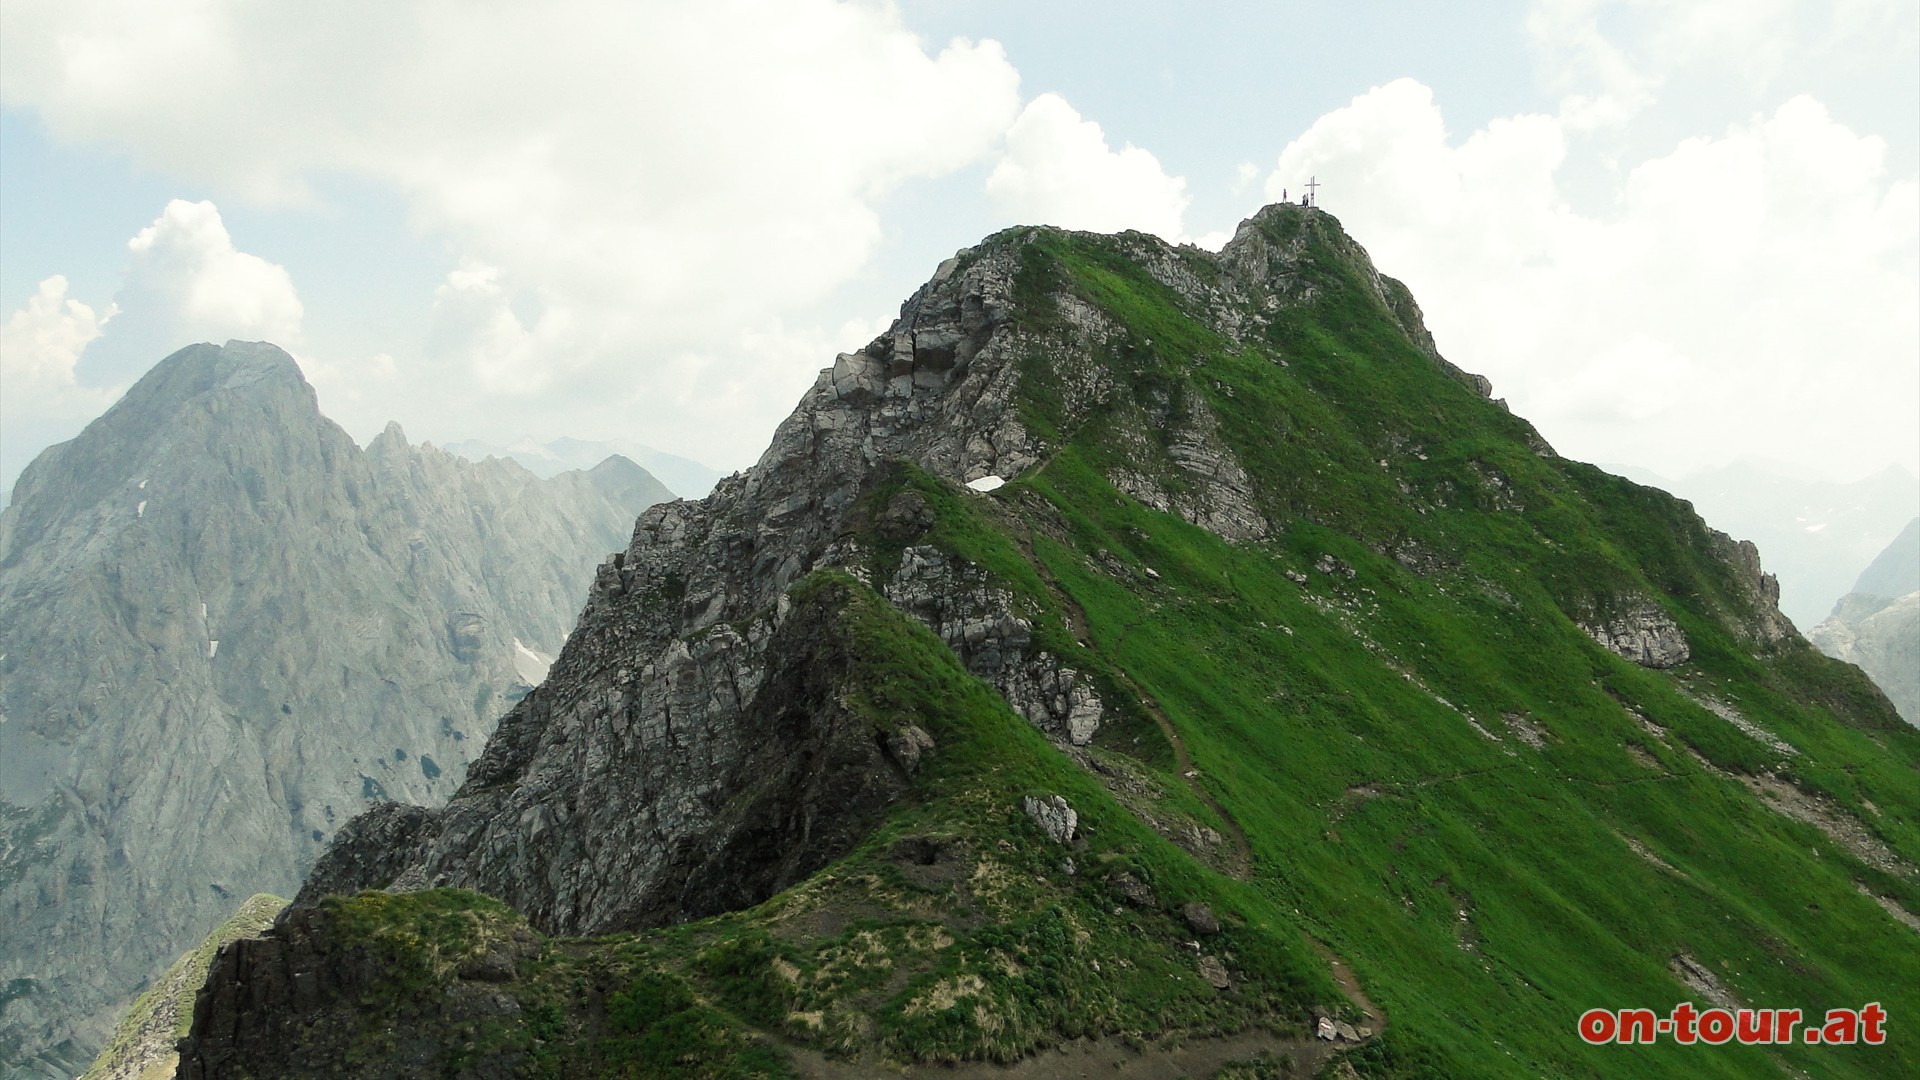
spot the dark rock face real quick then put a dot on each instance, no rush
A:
(270, 991)
(1761, 589)
(224, 630)
(597, 789)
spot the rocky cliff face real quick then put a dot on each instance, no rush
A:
(1264, 573)
(224, 631)
(592, 785)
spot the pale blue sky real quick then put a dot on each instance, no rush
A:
(635, 222)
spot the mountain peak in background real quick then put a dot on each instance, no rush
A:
(1877, 624)
(686, 477)
(224, 630)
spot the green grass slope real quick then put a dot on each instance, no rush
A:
(1380, 730)
(1375, 735)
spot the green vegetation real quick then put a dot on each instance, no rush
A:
(957, 931)
(1437, 773)
(142, 1044)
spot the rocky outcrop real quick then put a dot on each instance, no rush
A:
(978, 622)
(589, 804)
(269, 1015)
(225, 630)
(1206, 483)
(143, 1045)
(1759, 589)
(1054, 817)
(1643, 633)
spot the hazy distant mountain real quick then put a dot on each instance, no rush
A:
(1815, 535)
(687, 478)
(1896, 571)
(1877, 625)
(225, 629)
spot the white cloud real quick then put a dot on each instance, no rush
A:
(1605, 86)
(641, 174)
(1614, 59)
(1058, 170)
(40, 399)
(1745, 292)
(187, 282)
(475, 326)
(41, 342)
(187, 261)
(62, 363)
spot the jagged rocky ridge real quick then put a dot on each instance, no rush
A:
(1284, 401)
(225, 630)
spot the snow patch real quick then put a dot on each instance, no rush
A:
(213, 646)
(987, 483)
(143, 485)
(140, 509)
(530, 664)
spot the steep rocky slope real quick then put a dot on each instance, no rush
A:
(1092, 661)
(224, 631)
(1877, 624)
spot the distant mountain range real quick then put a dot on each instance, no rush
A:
(1815, 535)
(225, 629)
(687, 478)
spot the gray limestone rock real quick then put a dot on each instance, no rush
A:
(1761, 589)
(1200, 919)
(225, 630)
(1053, 815)
(1642, 633)
(1215, 972)
(1134, 891)
(1884, 642)
(1877, 628)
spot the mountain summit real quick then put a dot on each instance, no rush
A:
(1161, 657)
(224, 630)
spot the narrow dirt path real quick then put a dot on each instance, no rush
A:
(1350, 986)
(1242, 859)
(1240, 863)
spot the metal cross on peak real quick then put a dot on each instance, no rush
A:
(1313, 186)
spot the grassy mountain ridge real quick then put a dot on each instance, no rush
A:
(1348, 619)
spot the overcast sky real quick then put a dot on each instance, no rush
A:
(1674, 233)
